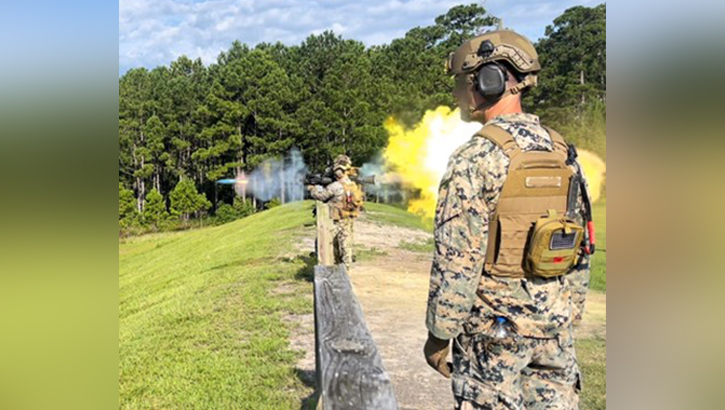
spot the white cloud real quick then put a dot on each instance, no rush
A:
(530, 17)
(155, 32)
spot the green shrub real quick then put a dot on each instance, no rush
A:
(126, 202)
(155, 213)
(243, 207)
(186, 200)
(128, 216)
(274, 202)
(225, 213)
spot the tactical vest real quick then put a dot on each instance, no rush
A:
(351, 203)
(536, 184)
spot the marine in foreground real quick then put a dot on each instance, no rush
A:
(511, 265)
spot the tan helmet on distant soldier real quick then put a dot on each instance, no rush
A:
(343, 162)
(482, 64)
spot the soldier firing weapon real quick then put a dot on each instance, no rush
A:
(328, 177)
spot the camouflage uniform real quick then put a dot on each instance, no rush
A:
(536, 368)
(342, 230)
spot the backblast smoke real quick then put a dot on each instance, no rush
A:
(418, 156)
(276, 178)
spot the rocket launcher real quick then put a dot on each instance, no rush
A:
(328, 177)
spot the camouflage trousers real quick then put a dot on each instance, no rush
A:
(515, 373)
(342, 241)
(579, 283)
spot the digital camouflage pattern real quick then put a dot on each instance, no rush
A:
(461, 297)
(579, 281)
(517, 373)
(464, 300)
(334, 194)
(343, 242)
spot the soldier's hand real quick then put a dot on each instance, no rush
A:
(310, 187)
(436, 353)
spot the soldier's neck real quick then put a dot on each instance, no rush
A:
(510, 104)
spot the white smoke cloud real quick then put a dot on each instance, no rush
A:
(277, 178)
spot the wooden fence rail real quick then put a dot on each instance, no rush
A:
(350, 373)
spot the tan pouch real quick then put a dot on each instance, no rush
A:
(336, 212)
(554, 245)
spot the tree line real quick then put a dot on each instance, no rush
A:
(185, 125)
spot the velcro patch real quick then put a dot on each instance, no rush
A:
(543, 182)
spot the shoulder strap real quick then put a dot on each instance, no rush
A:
(501, 138)
(557, 140)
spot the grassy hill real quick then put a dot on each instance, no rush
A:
(199, 323)
(599, 260)
(202, 321)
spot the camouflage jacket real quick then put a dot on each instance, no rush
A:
(462, 297)
(334, 192)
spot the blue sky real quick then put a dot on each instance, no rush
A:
(155, 32)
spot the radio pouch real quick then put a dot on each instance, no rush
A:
(554, 244)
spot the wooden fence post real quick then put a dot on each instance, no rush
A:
(350, 372)
(325, 250)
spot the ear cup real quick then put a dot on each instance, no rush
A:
(491, 81)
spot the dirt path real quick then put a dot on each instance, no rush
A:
(393, 290)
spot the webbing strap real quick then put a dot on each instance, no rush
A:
(558, 141)
(501, 138)
(507, 143)
(491, 244)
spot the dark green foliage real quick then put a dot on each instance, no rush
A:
(228, 213)
(573, 81)
(186, 200)
(225, 213)
(243, 208)
(126, 202)
(127, 212)
(273, 203)
(155, 213)
(326, 96)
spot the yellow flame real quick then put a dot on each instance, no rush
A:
(420, 155)
(595, 171)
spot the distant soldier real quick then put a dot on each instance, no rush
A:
(509, 235)
(345, 199)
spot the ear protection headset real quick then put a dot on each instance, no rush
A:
(491, 81)
(491, 77)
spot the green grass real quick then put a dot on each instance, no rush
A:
(592, 355)
(599, 262)
(387, 214)
(421, 247)
(366, 254)
(198, 324)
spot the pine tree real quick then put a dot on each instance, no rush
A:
(127, 212)
(243, 207)
(225, 213)
(573, 56)
(186, 200)
(326, 96)
(133, 113)
(155, 212)
(126, 202)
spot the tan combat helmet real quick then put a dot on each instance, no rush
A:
(498, 45)
(342, 161)
(508, 45)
